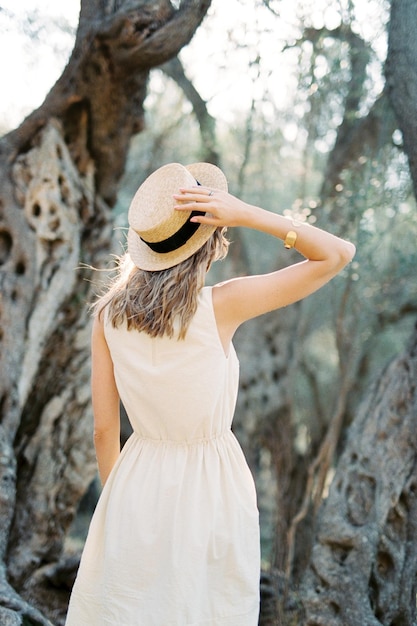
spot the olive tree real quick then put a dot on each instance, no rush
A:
(59, 173)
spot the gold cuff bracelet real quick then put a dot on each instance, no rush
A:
(290, 239)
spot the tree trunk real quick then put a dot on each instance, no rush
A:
(364, 560)
(59, 173)
(401, 75)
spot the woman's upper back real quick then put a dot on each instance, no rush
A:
(176, 389)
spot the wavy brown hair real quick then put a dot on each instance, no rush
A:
(152, 301)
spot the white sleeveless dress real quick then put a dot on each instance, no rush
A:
(174, 540)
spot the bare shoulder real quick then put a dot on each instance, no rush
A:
(98, 325)
(232, 303)
(230, 296)
(98, 338)
(236, 301)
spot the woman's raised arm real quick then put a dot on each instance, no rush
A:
(240, 299)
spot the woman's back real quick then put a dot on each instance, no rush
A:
(180, 390)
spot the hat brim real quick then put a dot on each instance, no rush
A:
(145, 258)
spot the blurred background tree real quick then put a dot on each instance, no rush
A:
(290, 99)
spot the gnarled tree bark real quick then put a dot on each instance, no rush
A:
(59, 173)
(364, 561)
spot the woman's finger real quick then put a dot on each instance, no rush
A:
(192, 202)
(192, 205)
(205, 219)
(201, 194)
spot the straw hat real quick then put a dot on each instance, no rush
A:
(160, 237)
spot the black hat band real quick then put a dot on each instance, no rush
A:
(178, 239)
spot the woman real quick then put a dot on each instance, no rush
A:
(174, 540)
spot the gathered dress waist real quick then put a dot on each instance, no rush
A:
(195, 441)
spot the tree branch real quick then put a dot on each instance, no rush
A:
(111, 64)
(174, 69)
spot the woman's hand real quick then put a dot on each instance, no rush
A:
(221, 208)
